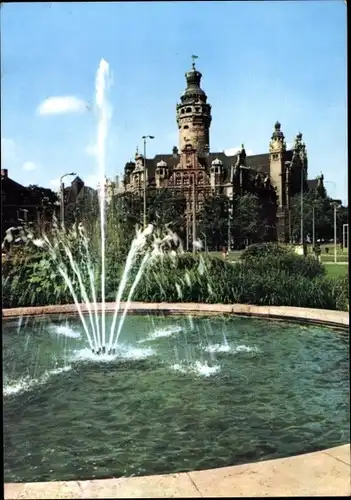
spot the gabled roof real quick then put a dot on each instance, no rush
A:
(10, 186)
(259, 163)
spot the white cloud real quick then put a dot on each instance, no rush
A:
(289, 145)
(234, 151)
(61, 105)
(29, 165)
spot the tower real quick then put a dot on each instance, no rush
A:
(277, 173)
(277, 148)
(216, 174)
(194, 115)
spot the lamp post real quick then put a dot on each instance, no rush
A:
(336, 206)
(313, 226)
(194, 214)
(145, 137)
(205, 238)
(230, 207)
(301, 194)
(345, 237)
(288, 197)
(62, 195)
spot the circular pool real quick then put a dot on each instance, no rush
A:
(181, 393)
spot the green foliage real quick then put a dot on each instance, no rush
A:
(263, 250)
(167, 208)
(213, 222)
(314, 202)
(339, 287)
(289, 263)
(266, 275)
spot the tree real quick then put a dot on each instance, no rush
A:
(44, 200)
(167, 208)
(314, 202)
(213, 222)
(253, 218)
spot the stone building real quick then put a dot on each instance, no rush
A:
(15, 209)
(78, 198)
(200, 173)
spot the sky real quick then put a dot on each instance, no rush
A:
(260, 61)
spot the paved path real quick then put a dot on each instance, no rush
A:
(324, 473)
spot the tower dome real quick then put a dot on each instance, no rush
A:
(217, 163)
(138, 156)
(161, 164)
(277, 134)
(194, 115)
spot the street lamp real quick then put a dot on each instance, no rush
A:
(288, 197)
(145, 137)
(345, 237)
(194, 213)
(313, 224)
(230, 207)
(204, 235)
(336, 206)
(62, 193)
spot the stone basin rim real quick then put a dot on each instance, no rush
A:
(336, 319)
(326, 317)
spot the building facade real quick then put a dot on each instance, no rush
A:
(199, 173)
(15, 208)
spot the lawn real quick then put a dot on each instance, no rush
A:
(341, 255)
(336, 270)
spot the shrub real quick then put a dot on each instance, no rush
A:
(279, 279)
(261, 250)
(289, 263)
(339, 291)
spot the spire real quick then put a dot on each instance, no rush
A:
(193, 63)
(277, 133)
(193, 80)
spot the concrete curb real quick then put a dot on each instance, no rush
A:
(319, 316)
(323, 473)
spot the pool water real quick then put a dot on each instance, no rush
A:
(181, 393)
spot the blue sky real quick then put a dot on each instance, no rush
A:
(261, 62)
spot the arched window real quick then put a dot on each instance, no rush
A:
(188, 110)
(186, 127)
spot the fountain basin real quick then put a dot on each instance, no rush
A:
(124, 399)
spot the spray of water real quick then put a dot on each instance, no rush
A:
(102, 83)
(145, 243)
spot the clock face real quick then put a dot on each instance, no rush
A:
(275, 146)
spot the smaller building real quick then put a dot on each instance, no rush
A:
(15, 209)
(78, 199)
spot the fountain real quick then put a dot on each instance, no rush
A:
(58, 243)
(186, 393)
